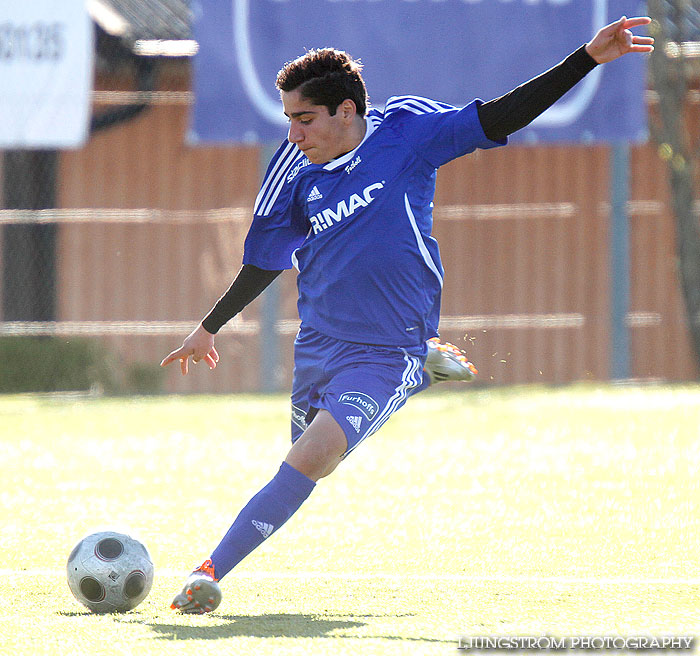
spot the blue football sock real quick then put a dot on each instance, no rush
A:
(261, 517)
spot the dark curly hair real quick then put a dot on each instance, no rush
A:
(325, 77)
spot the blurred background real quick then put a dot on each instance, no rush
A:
(567, 259)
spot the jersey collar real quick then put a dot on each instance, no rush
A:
(344, 159)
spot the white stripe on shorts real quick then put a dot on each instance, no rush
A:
(409, 379)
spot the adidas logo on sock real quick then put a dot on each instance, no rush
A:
(264, 528)
(356, 422)
(315, 194)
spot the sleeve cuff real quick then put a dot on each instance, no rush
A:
(581, 61)
(211, 324)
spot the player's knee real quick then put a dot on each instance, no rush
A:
(313, 462)
(320, 449)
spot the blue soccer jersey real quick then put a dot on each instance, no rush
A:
(358, 228)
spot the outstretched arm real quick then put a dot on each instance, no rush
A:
(615, 40)
(199, 344)
(517, 108)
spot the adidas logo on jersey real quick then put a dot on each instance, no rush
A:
(315, 194)
(264, 528)
(356, 422)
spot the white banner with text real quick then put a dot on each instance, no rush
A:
(46, 67)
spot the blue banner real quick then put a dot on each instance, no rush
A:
(448, 50)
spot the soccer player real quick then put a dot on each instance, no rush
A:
(347, 200)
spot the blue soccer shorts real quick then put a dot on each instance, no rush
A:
(359, 384)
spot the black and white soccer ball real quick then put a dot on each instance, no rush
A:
(110, 572)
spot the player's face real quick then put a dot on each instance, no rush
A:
(319, 135)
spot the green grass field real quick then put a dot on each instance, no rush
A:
(523, 511)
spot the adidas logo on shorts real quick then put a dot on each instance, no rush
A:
(356, 422)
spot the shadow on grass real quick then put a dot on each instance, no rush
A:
(284, 625)
(257, 626)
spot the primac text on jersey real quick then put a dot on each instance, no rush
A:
(328, 217)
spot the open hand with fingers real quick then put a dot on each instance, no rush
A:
(615, 40)
(199, 344)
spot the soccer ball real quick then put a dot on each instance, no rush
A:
(110, 572)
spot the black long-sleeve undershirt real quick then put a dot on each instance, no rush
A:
(517, 108)
(499, 118)
(248, 285)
